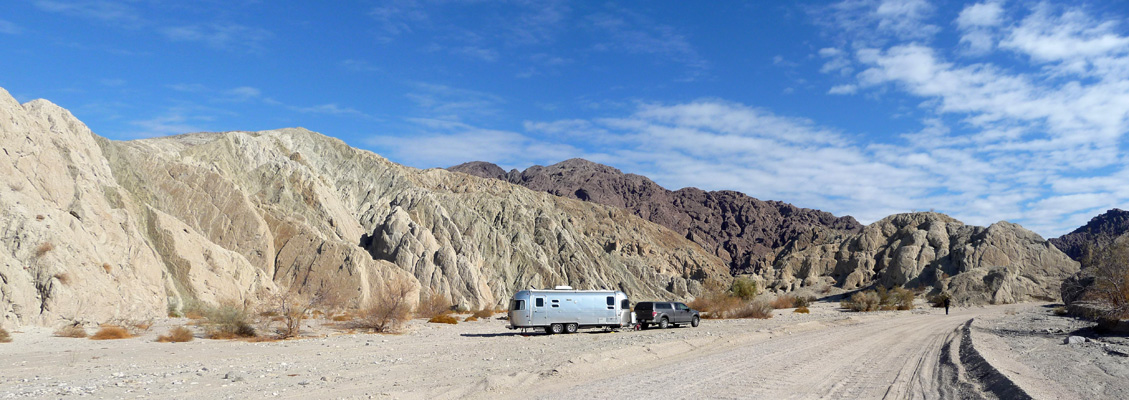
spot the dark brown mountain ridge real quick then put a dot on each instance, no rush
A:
(746, 232)
(1100, 231)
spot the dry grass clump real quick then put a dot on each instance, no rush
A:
(111, 332)
(71, 331)
(432, 306)
(470, 319)
(63, 278)
(443, 319)
(5, 337)
(758, 308)
(717, 305)
(881, 299)
(43, 248)
(785, 301)
(484, 313)
(107, 267)
(177, 334)
(228, 321)
(389, 311)
(801, 310)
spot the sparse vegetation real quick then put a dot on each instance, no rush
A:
(443, 319)
(111, 332)
(784, 301)
(432, 306)
(5, 337)
(1060, 311)
(470, 319)
(228, 321)
(938, 300)
(389, 311)
(717, 304)
(177, 334)
(759, 308)
(881, 299)
(744, 288)
(43, 248)
(106, 267)
(71, 331)
(39, 217)
(802, 310)
(292, 307)
(484, 313)
(803, 301)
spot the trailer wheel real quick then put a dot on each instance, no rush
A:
(695, 322)
(571, 328)
(556, 328)
(664, 323)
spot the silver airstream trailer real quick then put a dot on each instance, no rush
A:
(565, 309)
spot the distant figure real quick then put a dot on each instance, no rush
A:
(946, 306)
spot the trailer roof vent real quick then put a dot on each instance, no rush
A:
(563, 287)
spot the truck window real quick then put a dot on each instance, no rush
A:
(540, 302)
(663, 306)
(681, 306)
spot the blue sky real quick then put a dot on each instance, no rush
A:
(987, 111)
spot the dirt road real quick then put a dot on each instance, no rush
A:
(825, 354)
(901, 357)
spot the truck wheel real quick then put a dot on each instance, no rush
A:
(570, 328)
(556, 328)
(695, 322)
(664, 323)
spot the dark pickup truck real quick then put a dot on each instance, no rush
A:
(664, 314)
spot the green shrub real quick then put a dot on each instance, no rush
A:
(744, 288)
(803, 301)
(229, 320)
(902, 298)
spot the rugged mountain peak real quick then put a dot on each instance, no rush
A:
(1101, 230)
(745, 232)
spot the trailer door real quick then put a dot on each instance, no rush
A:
(540, 313)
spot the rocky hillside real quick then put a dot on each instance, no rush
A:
(1003, 263)
(749, 234)
(1100, 231)
(95, 229)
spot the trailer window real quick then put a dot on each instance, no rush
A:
(624, 304)
(540, 302)
(556, 303)
(517, 305)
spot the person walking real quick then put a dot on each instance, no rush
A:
(946, 306)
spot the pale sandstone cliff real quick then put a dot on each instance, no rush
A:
(143, 226)
(1003, 263)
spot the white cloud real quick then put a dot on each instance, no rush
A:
(174, 122)
(9, 28)
(106, 11)
(872, 22)
(222, 36)
(981, 15)
(1074, 41)
(331, 109)
(843, 89)
(634, 33)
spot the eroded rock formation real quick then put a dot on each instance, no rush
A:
(1101, 231)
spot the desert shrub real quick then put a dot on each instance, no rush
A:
(228, 321)
(63, 278)
(71, 331)
(177, 334)
(802, 310)
(5, 337)
(43, 248)
(388, 311)
(803, 301)
(1109, 293)
(342, 317)
(1060, 311)
(863, 301)
(39, 217)
(484, 313)
(470, 319)
(744, 288)
(433, 305)
(758, 308)
(902, 298)
(291, 308)
(111, 332)
(784, 301)
(443, 319)
(717, 304)
(106, 267)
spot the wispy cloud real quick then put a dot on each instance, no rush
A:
(222, 36)
(358, 65)
(174, 122)
(106, 11)
(633, 33)
(396, 17)
(9, 28)
(875, 22)
(331, 109)
(445, 102)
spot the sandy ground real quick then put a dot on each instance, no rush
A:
(825, 354)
